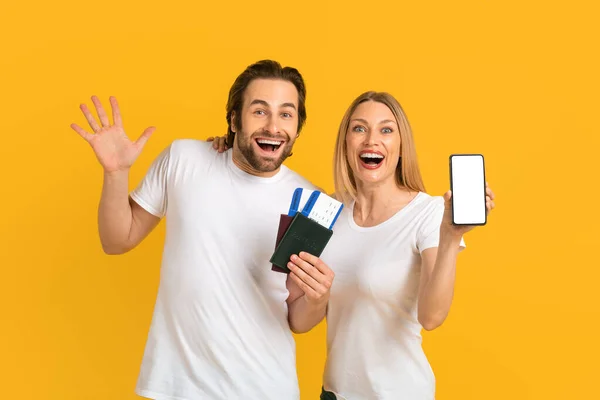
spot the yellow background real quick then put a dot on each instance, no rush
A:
(514, 80)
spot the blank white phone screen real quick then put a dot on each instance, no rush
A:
(468, 190)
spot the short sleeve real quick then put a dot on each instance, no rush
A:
(429, 232)
(151, 192)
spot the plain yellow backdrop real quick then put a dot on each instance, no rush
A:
(514, 80)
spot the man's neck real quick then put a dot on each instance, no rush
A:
(240, 161)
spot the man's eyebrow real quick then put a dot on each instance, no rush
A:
(259, 101)
(264, 103)
(291, 105)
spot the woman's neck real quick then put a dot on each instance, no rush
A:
(376, 203)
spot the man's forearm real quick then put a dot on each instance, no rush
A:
(303, 315)
(114, 213)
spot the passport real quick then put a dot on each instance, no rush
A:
(297, 234)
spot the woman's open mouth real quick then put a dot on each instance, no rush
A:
(371, 159)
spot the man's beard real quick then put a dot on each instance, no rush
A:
(256, 161)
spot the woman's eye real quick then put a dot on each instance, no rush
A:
(387, 130)
(359, 128)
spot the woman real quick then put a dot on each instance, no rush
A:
(394, 255)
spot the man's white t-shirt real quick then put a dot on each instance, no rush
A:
(219, 328)
(373, 336)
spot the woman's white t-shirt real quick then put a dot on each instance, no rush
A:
(373, 336)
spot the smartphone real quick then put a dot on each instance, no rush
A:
(467, 182)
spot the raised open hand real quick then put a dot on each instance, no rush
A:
(114, 150)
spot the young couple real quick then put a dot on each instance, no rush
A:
(222, 322)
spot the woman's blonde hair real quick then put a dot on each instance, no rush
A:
(408, 174)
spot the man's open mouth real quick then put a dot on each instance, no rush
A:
(269, 144)
(371, 159)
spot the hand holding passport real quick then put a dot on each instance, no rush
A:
(306, 227)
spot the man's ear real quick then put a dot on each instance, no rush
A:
(233, 122)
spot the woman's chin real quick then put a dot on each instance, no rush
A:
(366, 177)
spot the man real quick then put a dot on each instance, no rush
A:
(220, 328)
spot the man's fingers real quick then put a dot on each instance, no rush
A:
(101, 113)
(300, 271)
(317, 263)
(116, 112)
(222, 145)
(319, 271)
(90, 118)
(302, 285)
(145, 136)
(82, 132)
(308, 257)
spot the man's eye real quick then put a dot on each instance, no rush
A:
(259, 112)
(286, 115)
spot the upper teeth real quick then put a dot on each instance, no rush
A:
(272, 142)
(371, 155)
